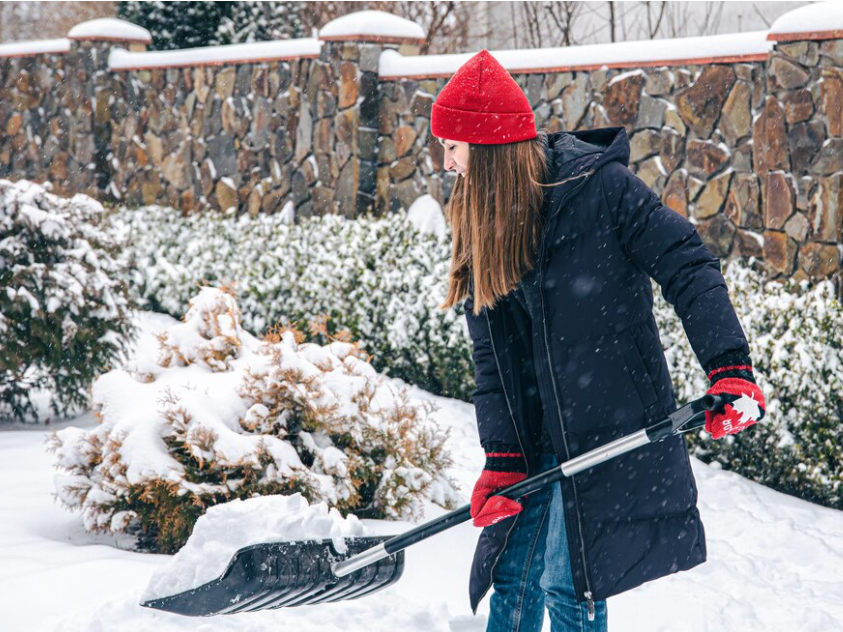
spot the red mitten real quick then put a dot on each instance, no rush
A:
(504, 467)
(731, 374)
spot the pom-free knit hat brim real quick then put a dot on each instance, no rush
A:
(482, 128)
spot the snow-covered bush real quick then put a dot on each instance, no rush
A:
(382, 280)
(251, 21)
(796, 340)
(209, 335)
(178, 25)
(63, 311)
(236, 417)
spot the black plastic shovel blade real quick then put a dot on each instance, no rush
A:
(284, 574)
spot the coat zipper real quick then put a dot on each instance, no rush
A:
(521, 445)
(588, 593)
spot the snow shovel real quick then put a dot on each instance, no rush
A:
(283, 574)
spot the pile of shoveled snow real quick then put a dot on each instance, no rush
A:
(226, 528)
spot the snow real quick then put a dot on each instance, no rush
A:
(110, 29)
(812, 18)
(626, 75)
(373, 23)
(34, 47)
(288, 213)
(426, 215)
(393, 64)
(120, 59)
(226, 528)
(773, 561)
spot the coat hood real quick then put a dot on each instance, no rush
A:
(572, 156)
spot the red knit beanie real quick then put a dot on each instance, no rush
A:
(482, 104)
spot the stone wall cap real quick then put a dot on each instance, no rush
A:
(35, 47)
(372, 26)
(820, 21)
(722, 49)
(256, 52)
(110, 30)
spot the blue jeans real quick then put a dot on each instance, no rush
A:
(534, 571)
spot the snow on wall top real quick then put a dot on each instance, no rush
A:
(34, 47)
(121, 59)
(751, 46)
(110, 29)
(823, 20)
(372, 26)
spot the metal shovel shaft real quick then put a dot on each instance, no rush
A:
(690, 416)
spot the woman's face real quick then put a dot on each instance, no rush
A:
(456, 156)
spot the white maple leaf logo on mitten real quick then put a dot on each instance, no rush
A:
(747, 408)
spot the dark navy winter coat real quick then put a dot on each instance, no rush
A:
(585, 358)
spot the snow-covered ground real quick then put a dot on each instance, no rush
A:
(775, 563)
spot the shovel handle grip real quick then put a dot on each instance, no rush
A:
(689, 417)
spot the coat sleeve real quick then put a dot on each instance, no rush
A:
(666, 246)
(495, 423)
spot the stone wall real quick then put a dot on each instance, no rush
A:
(250, 136)
(799, 140)
(46, 120)
(251, 133)
(748, 147)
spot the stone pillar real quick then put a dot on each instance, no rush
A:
(33, 112)
(798, 152)
(90, 129)
(353, 51)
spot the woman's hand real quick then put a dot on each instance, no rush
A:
(504, 467)
(734, 376)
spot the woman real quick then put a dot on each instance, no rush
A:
(554, 245)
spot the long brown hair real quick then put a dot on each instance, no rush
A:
(496, 220)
